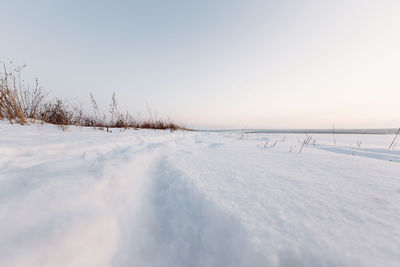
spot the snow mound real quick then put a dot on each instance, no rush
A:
(178, 227)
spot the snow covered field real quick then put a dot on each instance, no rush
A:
(86, 197)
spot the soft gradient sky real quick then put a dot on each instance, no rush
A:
(217, 64)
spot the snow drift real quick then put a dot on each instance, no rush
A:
(85, 197)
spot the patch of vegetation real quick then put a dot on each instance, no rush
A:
(18, 104)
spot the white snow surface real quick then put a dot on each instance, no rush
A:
(86, 197)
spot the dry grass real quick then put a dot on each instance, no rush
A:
(305, 142)
(17, 104)
(392, 145)
(10, 103)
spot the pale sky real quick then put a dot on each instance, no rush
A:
(217, 64)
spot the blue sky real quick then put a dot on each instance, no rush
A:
(217, 64)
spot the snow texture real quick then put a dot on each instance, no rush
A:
(86, 197)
